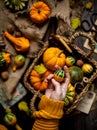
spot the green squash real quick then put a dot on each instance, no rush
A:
(59, 75)
(10, 119)
(70, 60)
(76, 74)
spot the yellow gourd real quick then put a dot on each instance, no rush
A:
(21, 44)
(19, 61)
(87, 68)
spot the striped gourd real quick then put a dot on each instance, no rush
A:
(59, 75)
(70, 60)
(87, 68)
(69, 98)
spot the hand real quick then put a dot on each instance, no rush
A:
(56, 90)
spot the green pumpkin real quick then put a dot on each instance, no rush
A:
(76, 74)
(70, 60)
(87, 68)
(10, 119)
(59, 75)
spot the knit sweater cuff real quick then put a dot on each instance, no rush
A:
(50, 108)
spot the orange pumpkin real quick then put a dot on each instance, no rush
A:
(38, 80)
(54, 56)
(39, 12)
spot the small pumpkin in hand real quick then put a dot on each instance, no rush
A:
(37, 77)
(39, 12)
(59, 75)
(54, 56)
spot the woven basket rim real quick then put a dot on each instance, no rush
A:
(80, 96)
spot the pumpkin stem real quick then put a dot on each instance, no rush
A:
(42, 79)
(60, 53)
(39, 11)
(14, 68)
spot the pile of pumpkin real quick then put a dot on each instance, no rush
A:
(55, 56)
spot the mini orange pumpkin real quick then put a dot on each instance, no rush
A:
(54, 56)
(38, 80)
(39, 12)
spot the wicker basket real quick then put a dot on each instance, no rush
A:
(86, 56)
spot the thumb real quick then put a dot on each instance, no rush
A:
(56, 85)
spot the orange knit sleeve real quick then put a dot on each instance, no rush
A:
(50, 111)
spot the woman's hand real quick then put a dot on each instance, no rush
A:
(56, 90)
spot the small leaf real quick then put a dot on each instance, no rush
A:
(40, 68)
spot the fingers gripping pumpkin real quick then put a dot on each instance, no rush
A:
(54, 56)
(39, 12)
(38, 80)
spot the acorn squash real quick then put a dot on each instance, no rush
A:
(76, 74)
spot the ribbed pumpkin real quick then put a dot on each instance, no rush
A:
(39, 12)
(38, 80)
(87, 68)
(59, 75)
(54, 56)
(69, 95)
(76, 74)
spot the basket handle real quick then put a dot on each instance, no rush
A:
(32, 102)
(91, 39)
